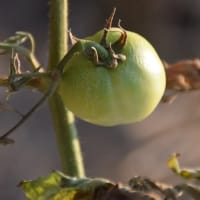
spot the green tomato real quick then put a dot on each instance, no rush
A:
(117, 95)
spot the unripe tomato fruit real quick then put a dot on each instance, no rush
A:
(113, 96)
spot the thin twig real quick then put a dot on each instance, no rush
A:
(4, 138)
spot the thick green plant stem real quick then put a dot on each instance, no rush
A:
(66, 133)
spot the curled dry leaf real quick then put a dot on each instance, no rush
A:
(182, 76)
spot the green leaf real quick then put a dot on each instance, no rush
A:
(173, 164)
(57, 186)
(42, 188)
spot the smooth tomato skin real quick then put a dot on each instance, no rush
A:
(109, 97)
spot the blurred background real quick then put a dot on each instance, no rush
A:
(118, 153)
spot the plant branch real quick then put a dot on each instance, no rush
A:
(182, 76)
(67, 139)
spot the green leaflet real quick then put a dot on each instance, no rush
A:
(57, 186)
(189, 174)
(42, 188)
(173, 164)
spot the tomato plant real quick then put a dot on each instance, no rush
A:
(113, 77)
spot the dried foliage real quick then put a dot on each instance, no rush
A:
(182, 76)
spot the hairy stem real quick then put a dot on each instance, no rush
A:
(67, 139)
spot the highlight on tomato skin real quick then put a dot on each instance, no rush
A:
(107, 94)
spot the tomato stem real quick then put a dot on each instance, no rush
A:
(66, 133)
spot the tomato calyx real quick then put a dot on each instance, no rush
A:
(104, 53)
